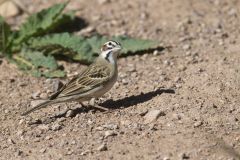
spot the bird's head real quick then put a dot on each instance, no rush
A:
(110, 50)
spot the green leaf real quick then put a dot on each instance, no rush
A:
(42, 22)
(4, 35)
(38, 59)
(130, 45)
(38, 64)
(73, 47)
(133, 45)
(84, 49)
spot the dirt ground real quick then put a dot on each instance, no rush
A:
(179, 103)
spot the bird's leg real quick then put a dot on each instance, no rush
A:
(93, 104)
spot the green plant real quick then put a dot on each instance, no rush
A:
(35, 46)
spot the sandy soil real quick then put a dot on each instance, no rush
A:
(179, 103)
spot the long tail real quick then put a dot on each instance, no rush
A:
(39, 106)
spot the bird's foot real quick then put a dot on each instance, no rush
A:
(94, 105)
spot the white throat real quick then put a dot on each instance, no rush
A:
(109, 56)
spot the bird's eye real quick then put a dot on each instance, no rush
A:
(110, 43)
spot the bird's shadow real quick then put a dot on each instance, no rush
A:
(134, 99)
(120, 103)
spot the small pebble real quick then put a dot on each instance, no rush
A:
(153, 115)
(42, 150)
(166, 158)
(124, 82)
(56, 127)
(43, 96)
(48, 137)
(43, 127)
(103, 147)
(10, 141)
(36, 95)
(184, 156)
(176, 116)
(109, 133)
(186, 47)
(9, 9)
(21, 121)
(69, 113)
(100, 128)
(85, 152)
(20, 133)
(198, 123)
(110, 126)
(101, 2)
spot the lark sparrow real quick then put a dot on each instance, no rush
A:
(93, 82)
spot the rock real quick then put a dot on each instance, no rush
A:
(186, 47)
(144, 15)
(73, 142)
(132, 69)
(124, 82)
(70, 113)
(109, 133)
(126, 123)
(110, 126)
(176, 116)
(103, 1)
(48, 137)
(184, 156)
(10, 141)
(9, 9)
(43, 96)
(232, 12)
(85, 152)
(56, 127)
(198, 123)
(62, 113)
(156, 52)
(100, 128)
(34, 121)
(182, 68)
(21, 121)
(22, 84)
(6, 111)
(103, 147)
(153, 116)
(69, 152)
(18, 152)
(42, 150)
(43, 127)
(20, 133)
(166, 158)
(166, 62)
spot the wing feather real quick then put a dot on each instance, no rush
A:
(92, 77)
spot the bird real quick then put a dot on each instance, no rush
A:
(93, 82)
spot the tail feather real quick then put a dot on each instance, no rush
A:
(39, 106)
